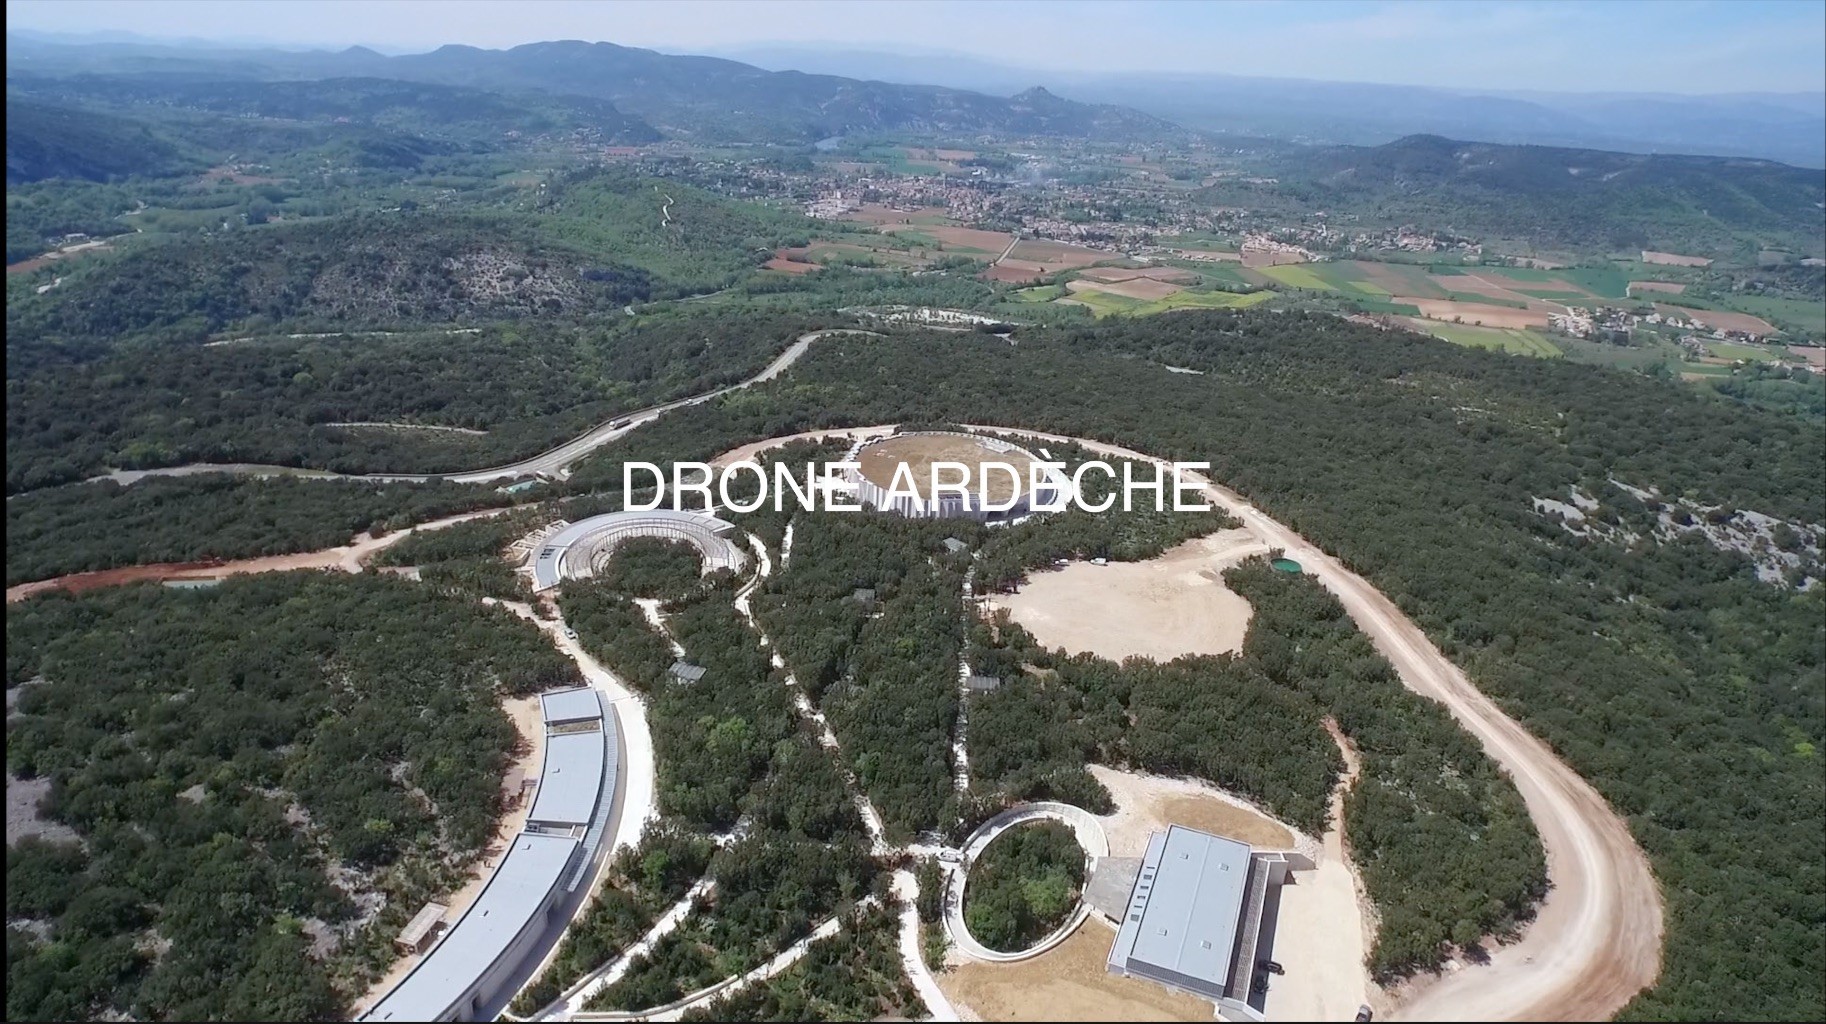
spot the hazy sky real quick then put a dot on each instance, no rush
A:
(1635, 45)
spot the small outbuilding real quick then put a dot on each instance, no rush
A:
(982, 684)
(685, 672)
(423, 929)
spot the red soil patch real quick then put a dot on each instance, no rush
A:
(790, 266)
(27, 266)
(1670, 287)
(1719, 319)
(77, 583)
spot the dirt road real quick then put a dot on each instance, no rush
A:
(351, 557)
(1597, 939)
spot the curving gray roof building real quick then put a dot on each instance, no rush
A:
(471, 972)
(580, 549)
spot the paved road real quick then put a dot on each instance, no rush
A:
(556, 462)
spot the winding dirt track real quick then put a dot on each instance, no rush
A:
(1596, 941)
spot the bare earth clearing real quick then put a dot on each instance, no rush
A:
(1669, 287)
(1324, 924)
(1067, 982)
(1133, 288)
(919, 451)
(1057, 254)
(1148, 803)
(1596, 941)
(1162, 608)
(967, 238)
(350, 557)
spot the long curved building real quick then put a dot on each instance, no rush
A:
(580, 549)
(472, 971)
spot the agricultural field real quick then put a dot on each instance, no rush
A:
(954, 238)
(1521, 342)
(1293, 276)
(1103, 303)
(1719, 319)
(1752, 353)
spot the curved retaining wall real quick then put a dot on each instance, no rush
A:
(1091, 837)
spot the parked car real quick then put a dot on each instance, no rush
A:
(1364, 1013)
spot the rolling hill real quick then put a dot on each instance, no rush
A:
(1620, 200)
(703, 98)
(45, 140)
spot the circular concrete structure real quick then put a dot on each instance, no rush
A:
(1090, 835)
(580, 549)
(895, 474)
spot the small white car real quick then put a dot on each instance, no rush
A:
(569, 633)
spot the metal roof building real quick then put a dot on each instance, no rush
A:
(579, 745)
(578, 705)
(1194, 917)
(571, 780)
(476, 956)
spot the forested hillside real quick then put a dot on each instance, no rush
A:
(1572, 197)
(378, 270)
(704, 98)
(252, 771)
(1647, 665)
(47, 140)
(509, 392)
(417, 107)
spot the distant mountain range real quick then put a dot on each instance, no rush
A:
(701, 98)
(1790, 127)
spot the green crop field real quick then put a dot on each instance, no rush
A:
(1348, 277)
(1296, 277)
(1385, 306)
(1608, 282)
(1105, 304)
(1039, 293)
(1520, 342)
(1807, 315)
(1731, 350)
(1202, 300)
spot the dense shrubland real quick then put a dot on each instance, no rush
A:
(190, 737)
